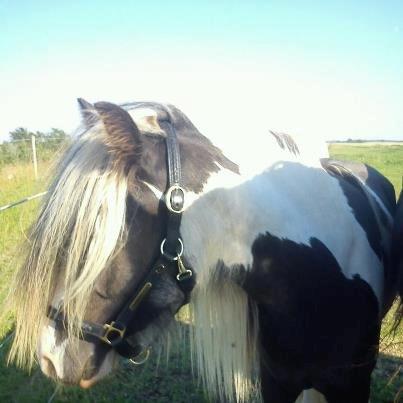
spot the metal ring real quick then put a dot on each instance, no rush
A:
(168, 255)
(142, 357)
(167, 196)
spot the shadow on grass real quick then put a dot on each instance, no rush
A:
(387, 380)
(157, 382)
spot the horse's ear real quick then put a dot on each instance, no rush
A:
(123, 138)
(88, 113)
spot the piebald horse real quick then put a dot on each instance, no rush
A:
(283, 255)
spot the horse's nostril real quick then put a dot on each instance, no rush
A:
(48, 368)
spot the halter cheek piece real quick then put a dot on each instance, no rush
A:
(170, 261)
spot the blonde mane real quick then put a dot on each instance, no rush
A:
(78, 231)
(224, 340)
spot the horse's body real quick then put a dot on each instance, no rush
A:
(291, 260)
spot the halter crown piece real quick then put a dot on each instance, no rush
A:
(170, 261)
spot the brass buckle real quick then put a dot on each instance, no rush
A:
(113, 334)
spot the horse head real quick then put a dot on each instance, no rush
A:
(101, 232)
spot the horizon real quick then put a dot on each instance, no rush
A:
(345, 139)
(331, 71)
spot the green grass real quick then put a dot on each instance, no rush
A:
(16, 182)
(172, 383)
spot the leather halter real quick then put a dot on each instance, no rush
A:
(170, 261)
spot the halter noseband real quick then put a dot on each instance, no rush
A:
(170, 260)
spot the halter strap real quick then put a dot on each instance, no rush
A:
(175, 194)
(170, 261)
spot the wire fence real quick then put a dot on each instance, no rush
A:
(29, 149)
(20, 153)
(38, 140)
(24, 200)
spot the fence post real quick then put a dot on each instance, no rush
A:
(33, 142)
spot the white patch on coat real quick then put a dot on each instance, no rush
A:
(157, 193)
(48, 348)
(146, 120)
(311, 396)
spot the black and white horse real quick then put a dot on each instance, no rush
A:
(289, 254)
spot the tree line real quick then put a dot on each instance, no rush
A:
(19, 148)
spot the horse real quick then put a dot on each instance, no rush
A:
(283, 256)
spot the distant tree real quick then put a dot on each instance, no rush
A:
(48, 144)
(40, 135)
(57, 133)
(20, 134)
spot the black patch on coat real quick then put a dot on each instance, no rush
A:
(318, 328)
(358, 201)
(397, 254)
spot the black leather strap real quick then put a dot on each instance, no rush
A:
(176, 196)
(88, 328)
(173, 156)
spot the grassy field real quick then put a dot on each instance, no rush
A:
(152, 382)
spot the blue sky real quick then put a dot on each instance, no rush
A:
(333, 69)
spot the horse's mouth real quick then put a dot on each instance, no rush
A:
(94, 373)
(88, 383)
(83, 383)
(69, 372)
